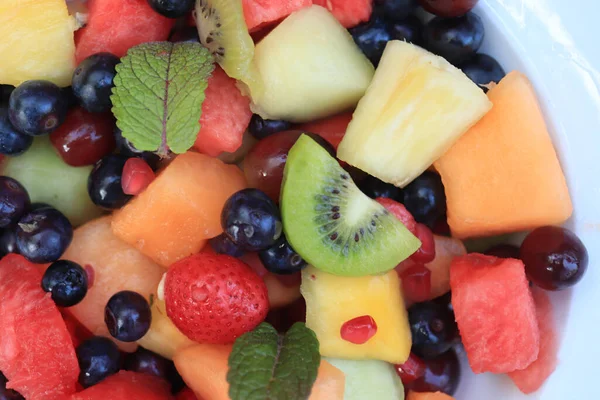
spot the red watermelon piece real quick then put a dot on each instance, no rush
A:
(115, 26)
(36, 352)
(530, 379)
(225, 116)
(495, 312)
(349, 12)
(127, 385)
(331, 129)
(261, 13)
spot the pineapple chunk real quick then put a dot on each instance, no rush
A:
(416, 107)
(332, 300)
(311, 68)
(37, 41)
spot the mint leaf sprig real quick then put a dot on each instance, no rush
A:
(158, 95)
(264, 365)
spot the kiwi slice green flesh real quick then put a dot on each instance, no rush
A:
(222, 29)
(331, 223)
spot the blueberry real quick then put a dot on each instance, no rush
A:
(37, 107)
(127, 316)
(251, 220)
(261, 128)
(104, 182)
(66, 281)
(395, 10)
(38, 206)
(433, 329)
(147, 362)
(408, 30)
(281, 258)
(14, 200)
(483, 69)
(71, 99)
(371, 38)
(8, 242)
(43, 235)
(8, 394)
(98, 358)
(455, 39)
(12, 142)
(374, 188)
(223, 245)
(127, 149)
(186, 34)
(172, 8)
(93, 81)
(425, 199)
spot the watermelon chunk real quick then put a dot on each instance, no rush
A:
(349, 12)
(495, 312)
(261, 13)
(530, 379)
(127, 385)
(225, 116)
(115, 26)
(36, 352)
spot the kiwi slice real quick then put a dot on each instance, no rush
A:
(222, 30)
(331, 223)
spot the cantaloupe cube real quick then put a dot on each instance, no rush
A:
(503, 175)
(428, 396)
(332, 300)
(181, 208)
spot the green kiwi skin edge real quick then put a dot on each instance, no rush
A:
(331, 223)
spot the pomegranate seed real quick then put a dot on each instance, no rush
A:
(400, 212)
(358, 330)
(426, 252)
(416, 283)
(137, 175)
(411, 370)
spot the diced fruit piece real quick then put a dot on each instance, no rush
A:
(530, 379)
(348, 12)
(36, 351)
(180, 209)
(127, 385)
(417, 99)
(214, 298)
(332, 300)
(495, 313)
(116, 266)
(331, 223)
(225, 116)
(38, 41)
(163, 337)
(48, 179)
(369, 380)
(307, 77)
(114, 26)
(528, 189)
(261, 13)
(331, 129)
(204, 369)
(428, 396)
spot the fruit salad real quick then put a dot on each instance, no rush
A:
(272, 199)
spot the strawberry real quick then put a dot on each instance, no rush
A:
(214, 298)
(400, 212)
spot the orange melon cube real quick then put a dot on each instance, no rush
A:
(428, 396)
(180, 210)
(116, 266)
(503, 175)
(204, 368)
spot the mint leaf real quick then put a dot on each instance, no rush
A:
(264, 365)
(158, 95)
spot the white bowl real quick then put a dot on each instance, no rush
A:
(555, 43)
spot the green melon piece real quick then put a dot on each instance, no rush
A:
(369, 380)
(48, 179)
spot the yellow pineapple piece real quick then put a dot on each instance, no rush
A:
(416, 107)
(37, 41)
(332, 300)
